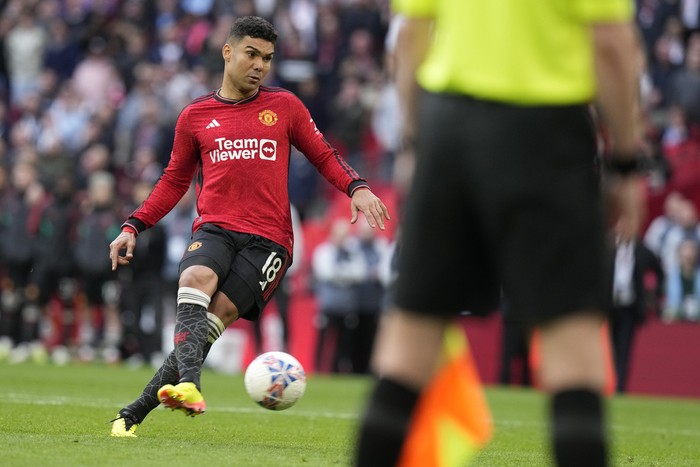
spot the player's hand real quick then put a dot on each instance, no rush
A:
(373, 208)
(125, 241)
(626, 203)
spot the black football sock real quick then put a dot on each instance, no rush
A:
(148, 400)
(385, 424)
(168, 374)
(191, 333)
(578, 429)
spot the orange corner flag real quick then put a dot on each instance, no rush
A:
(452, 420)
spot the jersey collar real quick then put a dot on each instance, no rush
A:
(225, 100)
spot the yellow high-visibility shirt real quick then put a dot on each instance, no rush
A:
(525, 52)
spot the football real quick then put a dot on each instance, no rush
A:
(275, 380)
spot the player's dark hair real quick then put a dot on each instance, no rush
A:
(253, 26)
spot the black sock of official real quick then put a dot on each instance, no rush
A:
(385, 424)
(578, 430)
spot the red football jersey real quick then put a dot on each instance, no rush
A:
(238, 153)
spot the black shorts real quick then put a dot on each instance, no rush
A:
(249, 267)
(504, 198)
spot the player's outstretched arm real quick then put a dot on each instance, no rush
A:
(125, 241)
(373, 208)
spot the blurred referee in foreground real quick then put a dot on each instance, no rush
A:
(495, 96)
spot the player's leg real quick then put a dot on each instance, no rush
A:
(192, 330)
(223, 313)
(201, 270)
(250, 283)
(205, 265)
(197, 285)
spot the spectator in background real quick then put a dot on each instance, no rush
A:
(53, 273)
(98, 320)
(674, 32)
(338, 266)
(145, 165)
(95, 158)
(141, 312)
(62, 53)
(304, 16)
(132, 53)
(69, 116)
(657, 232)
(515, 349)
(350, 122)
(100, 129)
(132, 108)
(361, 14)
(661, 68)
(385, 121)
(683, 285)
(27, 124)
(370, 296)
(4, 128)
(168, 48)
(690, 16)
(676, 133)
(178, 232)
(25, 46)
(20, 213)
(684, 86)
(328, 52)
(362, 60)
(652, 17)
(687, 228)
(151, 130)
(96, 79)
(183, 84)
(632, 263)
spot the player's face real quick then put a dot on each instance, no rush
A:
(246, 64)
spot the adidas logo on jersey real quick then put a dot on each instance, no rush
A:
(213, 124)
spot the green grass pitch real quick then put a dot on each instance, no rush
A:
(58, 416)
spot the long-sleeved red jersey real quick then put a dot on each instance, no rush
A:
(238, 152)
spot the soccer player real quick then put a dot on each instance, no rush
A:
(235, 142)
(495, 96)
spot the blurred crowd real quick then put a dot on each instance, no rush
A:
(89, 94)
(670, 87)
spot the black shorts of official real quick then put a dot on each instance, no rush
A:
(502, 196)
(249, 267)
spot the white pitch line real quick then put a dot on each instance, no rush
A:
(19, 398)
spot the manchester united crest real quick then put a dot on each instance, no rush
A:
(193, 246)
(267, 117)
